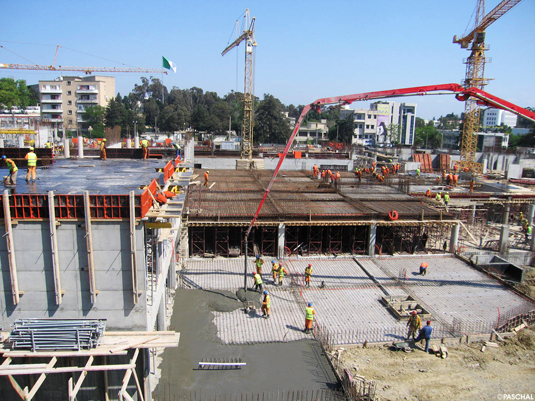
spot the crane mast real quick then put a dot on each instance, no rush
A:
(248, 109)
(475, 78)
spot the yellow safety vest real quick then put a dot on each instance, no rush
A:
(268, 301)
(257, 279)
(12, 167)
(281, 271)
(32, 159)
(308, 272)
(310, 313)
(275, 267)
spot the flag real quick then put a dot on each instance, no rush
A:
(169, 64)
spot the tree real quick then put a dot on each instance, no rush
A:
(524, 122)
(271, 125)
(428, 136)
(9, 93)
(420, 122)
(115, 113)
(527, 140)
(94, 117)
(343, 130)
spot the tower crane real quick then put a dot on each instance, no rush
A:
(248, 114)
(475, 77)
(87, 70)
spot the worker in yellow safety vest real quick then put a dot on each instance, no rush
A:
(13, 170)
(308, 274)
(266, 305)
(282, 271)
(309, 317)
(103, 155)
(275, 271)
(257, 282)
(145, 147)
(31, 157)
(415, 324)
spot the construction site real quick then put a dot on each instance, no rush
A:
(278, 273)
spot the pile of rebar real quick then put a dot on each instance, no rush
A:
(56, 334)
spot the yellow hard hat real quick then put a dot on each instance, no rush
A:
(31, 147)
(104, 140)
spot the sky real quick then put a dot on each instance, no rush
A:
(306, 49)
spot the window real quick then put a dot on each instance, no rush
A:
(70, 112)
(69, 93)
(369, 116)
(373, 126)
(367, 126)
(70, 121)
(69, 102)
(374, 117)
(69, 83)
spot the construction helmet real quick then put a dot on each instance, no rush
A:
(272, 261)
(309, 265)
(310, 304)
(265, 292)
(207, 171)
(3, 156)
(104, 140)
(414, 312)
(428, 322)
(31, 148)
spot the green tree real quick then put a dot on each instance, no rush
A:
(527, 140)
(271, 125)
(420, 122)
(115, 113)
(343, 130)
(9, 93)
(428, 136)
(199, 118)
(524, 122)
(94, 117)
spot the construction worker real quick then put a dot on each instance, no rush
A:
(414, 324)
(338, 177)
(428, 192)
(178, 149)
(443, 176)
(257, 282)
(472, 182)
(438, 198)
(13, 170)
(145, 148)
(308, 274)
(521, 217)
(103, 149)
(32, 165)
(48, 145)
(258, 263)
(266, 305)
(455, 167)
(455, 179)
(446, 199)
(529, 230)
(423, 268)
(359, 175)
(206, 178)
(450, 179)
(418, 172)
(282, 271)
(275, 271)
(315, 170)
(425, 334)
(309, 317)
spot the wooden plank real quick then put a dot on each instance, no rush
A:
(133, 264)
(72, 394)
(89, 242)
(54, 247)
(134, 344)
(67, 369)
(126, 378)
(41, 379)
(10, 249)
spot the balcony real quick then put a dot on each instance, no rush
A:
(51, 110)
(86, 101)
(87, 90)
(80, 110)
(49, 89)
(47, 118)
(53, 101)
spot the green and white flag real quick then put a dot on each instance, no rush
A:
(169, 64)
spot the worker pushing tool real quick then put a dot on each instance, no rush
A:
(308, 275)
(309, 317)
(275, 271)
(266, 305)
(11, 179)
(423, 268)
(257, 282)
(103, 155)
(31, 157)
(258, 263)
(415, 324)
(206, 178)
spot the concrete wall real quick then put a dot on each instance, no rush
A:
(271, 163)
(113, 274)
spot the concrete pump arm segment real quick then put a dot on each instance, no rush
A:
(461, 93)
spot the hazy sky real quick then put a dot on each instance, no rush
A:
(306, 49)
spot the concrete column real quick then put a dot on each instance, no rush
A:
(504, 238)
(506, 212)
(281, 240)
(136, 142)
(128, 143)
(171, 282)
(162, 310)
(1, 142)
(80, 147)
(372, 237)
(531, 210)
(21, 141)
(472, 214)
(66, 147)
(454, 237)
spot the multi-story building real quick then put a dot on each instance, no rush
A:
(495, 117)
(402, 122)
(313, 133)
(64, 100)
(365, 125)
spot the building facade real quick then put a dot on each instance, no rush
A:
(313, 133)
(64, 100)
(365, 125)
(495, 117)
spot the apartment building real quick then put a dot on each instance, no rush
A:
(64, 99)
(365, 125)
(495, 117)
(399, 120)
(313, 133)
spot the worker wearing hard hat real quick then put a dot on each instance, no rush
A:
(257, 281)
(266, 305)
(31, 157)
(282, 271)
(308, 275)
(145, 147)
(309, 317)
(423, 268)
(415, 324)
(103, 155)
(11, 179)
(206, 178)
(275, 271)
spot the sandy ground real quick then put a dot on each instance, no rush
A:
(467, 374)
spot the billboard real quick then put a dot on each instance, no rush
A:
(383, 119)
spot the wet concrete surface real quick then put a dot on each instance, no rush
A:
(271, 367)
(103, 177)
